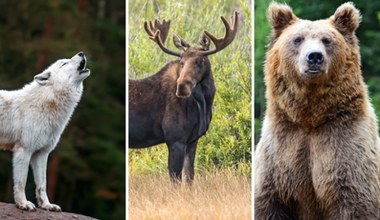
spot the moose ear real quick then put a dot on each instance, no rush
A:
(346, 20)
(204, 41)
(280, 16)
(180, 43)
(42, 78)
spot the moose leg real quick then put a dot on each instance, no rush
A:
(176, 158)
(188, 165)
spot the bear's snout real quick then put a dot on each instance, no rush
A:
(314, 62)
(315, 57)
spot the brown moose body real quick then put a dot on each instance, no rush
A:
(174, 106)
(319, 153)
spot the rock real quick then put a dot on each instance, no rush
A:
(11, 212)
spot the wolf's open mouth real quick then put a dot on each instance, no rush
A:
(82, 65)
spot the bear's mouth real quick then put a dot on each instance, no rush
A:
(314, 70)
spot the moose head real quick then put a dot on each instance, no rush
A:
(193, 64)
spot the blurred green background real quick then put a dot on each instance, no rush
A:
(227, 144)
(86, 172)
(368, 34)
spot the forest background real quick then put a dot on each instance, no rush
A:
(368, 34)
(86, 172)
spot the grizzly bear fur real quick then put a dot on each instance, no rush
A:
(319, 153)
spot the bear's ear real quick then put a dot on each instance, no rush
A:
(42, 78)
(346, 20)
(280, 16)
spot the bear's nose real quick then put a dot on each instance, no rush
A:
(315, 58)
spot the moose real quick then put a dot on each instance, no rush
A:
(174, 106)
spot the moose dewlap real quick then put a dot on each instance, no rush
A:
(174, 106)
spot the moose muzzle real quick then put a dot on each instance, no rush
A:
(184, 88)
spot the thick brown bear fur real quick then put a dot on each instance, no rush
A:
(318, 156)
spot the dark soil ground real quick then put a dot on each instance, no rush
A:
(11, 212)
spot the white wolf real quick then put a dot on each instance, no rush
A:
(32, 120)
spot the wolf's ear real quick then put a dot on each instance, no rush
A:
(42, 78)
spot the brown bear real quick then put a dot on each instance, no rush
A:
(319, 153)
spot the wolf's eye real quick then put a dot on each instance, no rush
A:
(298, 40)
(63, 64)
(326, 41)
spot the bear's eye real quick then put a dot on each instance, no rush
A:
(298, 40)
(326, 41)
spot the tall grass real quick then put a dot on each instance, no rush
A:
(221, 195)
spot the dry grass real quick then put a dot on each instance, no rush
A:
(222, 195)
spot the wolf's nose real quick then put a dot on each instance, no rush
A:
(81, 54)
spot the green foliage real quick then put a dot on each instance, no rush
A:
(228, 140)
(374, 92)
(260, 35)
(86, 173)
(368, 34)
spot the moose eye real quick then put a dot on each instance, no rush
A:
(326, 41)
(298, 40)
(200, 62)
(181, 63)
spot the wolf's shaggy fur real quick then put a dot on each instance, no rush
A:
(32, 120)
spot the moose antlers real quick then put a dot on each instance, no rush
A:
(221, 43)
(159, 31)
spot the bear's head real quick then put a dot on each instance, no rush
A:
(312, 68)
(312, 50)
